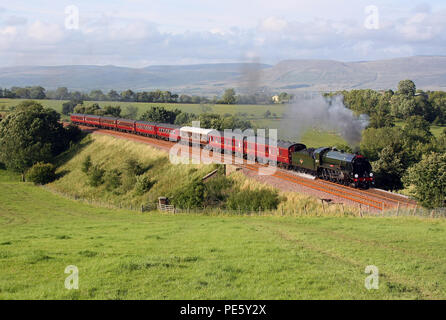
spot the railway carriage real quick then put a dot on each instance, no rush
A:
(167, 131)
(233, 144)
(146, 128)
(264, 150)
(189, 135)
(92, 121)
(108, 122)
(77, 118)
(125, 125)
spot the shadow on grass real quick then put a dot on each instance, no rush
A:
(72, 151)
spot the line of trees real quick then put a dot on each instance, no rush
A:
(37, 92)
(386, 107)
(409, 155)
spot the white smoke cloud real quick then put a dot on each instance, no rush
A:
(328, 114)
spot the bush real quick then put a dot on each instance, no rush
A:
(216, 190)
(86, 164)
(41, 173)
(96, 176)
(190, 195)
(112, 180)
(252, 200)
(133, 167)
(143, 184)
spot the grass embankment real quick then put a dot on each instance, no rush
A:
(112, 153)
(127, 255)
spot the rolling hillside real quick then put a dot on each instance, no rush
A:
(428, 72)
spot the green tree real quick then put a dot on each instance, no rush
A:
(427, 180)
(68, 107)
(112, 95)
(113, 111)
(185, 118)
(61, 93)
(374, 140)
(228, 96)
(381, 117)
(31, 134)
(131, 112)
(128, 95)
(441, 141)
(407, 88)
(97, 95)
(159, 114)
(389, 169)
(37, 92)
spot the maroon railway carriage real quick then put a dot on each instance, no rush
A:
(125, 125)
(265, 149)
(167, 131)
(108, 122)
(233, 144)
(93, 121)
(146, 128)
(77, 118)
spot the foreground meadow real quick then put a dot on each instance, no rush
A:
(127, 255)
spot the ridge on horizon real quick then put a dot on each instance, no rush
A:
(428, 72)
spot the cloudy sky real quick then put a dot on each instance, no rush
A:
(139, 33)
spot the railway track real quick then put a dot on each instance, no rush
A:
(372, 199)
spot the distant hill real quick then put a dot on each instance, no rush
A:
(428, 72)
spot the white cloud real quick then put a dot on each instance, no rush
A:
(45, 32)
(8, 31)
(108, 38)
(273, 24)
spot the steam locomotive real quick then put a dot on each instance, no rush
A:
(325, 163)
(335, 165)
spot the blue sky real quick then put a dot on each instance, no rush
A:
(138, 33)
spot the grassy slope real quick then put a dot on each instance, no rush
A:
(111, 153)
(124, 255)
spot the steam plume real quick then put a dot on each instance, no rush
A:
(329, 114)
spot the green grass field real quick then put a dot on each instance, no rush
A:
(127, 255)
